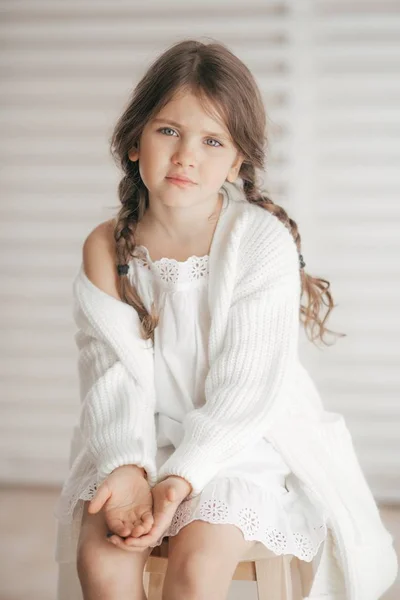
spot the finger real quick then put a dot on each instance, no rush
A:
(145, 540)
(113, 539)
(135, 529)
(138, 530)
(139, 542)
(119, 526)
(101, 497)
(142, 525)
(171, 494)
(148, 521)
(159, 527)
(119, 543)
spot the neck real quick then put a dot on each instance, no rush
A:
(181, 225)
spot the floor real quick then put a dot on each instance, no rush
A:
(27, 567)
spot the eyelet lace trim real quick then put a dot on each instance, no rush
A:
(253, 526)
(173, 271)
(272, 526)
(288, 523)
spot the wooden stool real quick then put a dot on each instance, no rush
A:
(277, 577)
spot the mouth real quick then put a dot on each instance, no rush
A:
(180, 182)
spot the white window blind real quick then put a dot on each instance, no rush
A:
(328, 74)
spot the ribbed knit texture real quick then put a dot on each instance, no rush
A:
(116, 380)
(116, 418)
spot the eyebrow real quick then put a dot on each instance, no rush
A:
(166, 120)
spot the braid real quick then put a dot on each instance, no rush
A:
(134, 201)
(317, 289)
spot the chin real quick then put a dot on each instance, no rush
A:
(176, 197)
(175, 202)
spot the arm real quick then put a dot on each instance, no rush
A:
(244, 388)
(117, 421)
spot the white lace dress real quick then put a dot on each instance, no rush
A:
(257, 493)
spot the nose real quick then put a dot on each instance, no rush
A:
(184, 155)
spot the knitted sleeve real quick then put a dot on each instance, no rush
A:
(116, 421)
(247, 374)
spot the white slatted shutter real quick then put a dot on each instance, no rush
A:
(66, 72)
(356, 217)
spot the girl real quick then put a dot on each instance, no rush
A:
(198, 420)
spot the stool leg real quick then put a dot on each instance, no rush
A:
(156, 582)
(297, 582)
(274, 578)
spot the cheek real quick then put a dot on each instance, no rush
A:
(152, 159)
(150, 149)
(217, 166)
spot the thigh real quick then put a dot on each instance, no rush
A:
(202, 548)
(98, 559)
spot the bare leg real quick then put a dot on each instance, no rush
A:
(202, 559)
(105, 571)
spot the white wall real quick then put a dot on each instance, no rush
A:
(328, 71)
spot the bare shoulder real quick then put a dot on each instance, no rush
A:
(99, 258)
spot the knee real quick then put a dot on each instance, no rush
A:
(192, 576)
(102, 566)
(93, 564)
(93, 552)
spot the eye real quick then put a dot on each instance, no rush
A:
(166, 129)
(220, 145)
(163, 129)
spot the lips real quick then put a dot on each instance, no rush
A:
(180, 178)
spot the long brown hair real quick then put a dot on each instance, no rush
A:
(220, 81)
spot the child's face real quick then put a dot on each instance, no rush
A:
(166, 148)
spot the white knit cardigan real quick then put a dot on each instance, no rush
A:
(256, 387)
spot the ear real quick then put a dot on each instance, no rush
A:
(133, 154)
(235, 168)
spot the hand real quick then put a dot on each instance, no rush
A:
(167, 496)
(125, 496)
